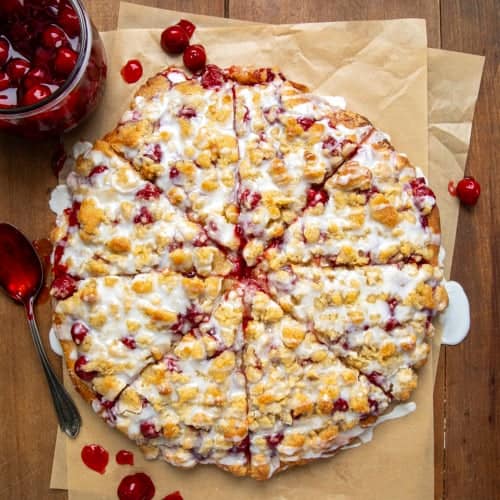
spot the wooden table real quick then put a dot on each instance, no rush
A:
(467, 394)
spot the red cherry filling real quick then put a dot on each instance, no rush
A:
(68, 19)
(212, 77)
(72, 214)
(78, 332)
(305, 123)
(65, 61)
(391, 324)
(95, 457)
(129, 342)
(315, 196)
(63, 287)
(174, 496)
(173, 173)
(468, 190)
(195, 57)
(143, 217)
(187, 26)
(171, 364)
(340, 405)
(249, 200)
(4, 80)
(174, 39)
(132, 71)
(53, 37)
(136, 487)
(148, 430)
(124, 457)
(148, 192)
(186, 112)
(36, 94)
(17, 68)
(420, 191)
(79, 369)
(4, 51)
(154, 152)
(99, 169)
(392, 303)
(274, 439)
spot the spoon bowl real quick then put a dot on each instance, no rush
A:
(21, 276)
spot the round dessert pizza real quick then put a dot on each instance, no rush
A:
(245, 274)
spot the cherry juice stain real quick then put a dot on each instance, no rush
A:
(124, 457)
(452, 189)
(95, 457)
(136, 487)
(131, 71)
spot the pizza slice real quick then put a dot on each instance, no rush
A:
(119, 223)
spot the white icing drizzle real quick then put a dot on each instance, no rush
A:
(55, 345)
(456, 318)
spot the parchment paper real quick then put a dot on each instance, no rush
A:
(406, 444)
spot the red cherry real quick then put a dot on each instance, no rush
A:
(195, 57)
(148, 192)
(129, 342)
(132, 71)
(176, 495)
(4, 80)
(65, 61)
(148, 430)
(63, 287)
(4, 51)
(17, 68)
(174, 40)
(305, 122)
(340, 405)
(143, 217)
(124, 457)
(68, 19)
(136, 487)
(187, 26)
(36, 94)
(315, 196)
(83, 374)
(78, 332)
(53, 37)
(35, 76)
(468, 190)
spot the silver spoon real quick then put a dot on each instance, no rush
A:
(21, 276)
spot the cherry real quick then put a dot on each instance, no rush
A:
(53, 37)
(148, 430)
(132, 71)
(63, 287)
(274, 440)
(124, 457)
(136, 487)
(4, 51)
(69, 21)
(340, 405)
(315, 196)
(213, 77)
(65, 61)
(11, 6)
(195, 57)
(95, 457)
(78, 332)
(129, 342)
(187, 26)
(305, 122)
(36, 94)
(173, 173)
(174, 40)
(4, 80)
(468, 190)
(17, 68)
(391, 324)
(84, 375)
(35, 76)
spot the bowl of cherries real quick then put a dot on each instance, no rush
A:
(52, 66)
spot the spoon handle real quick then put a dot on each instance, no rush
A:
(67, 412)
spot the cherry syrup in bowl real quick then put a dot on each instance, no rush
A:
(52, 66)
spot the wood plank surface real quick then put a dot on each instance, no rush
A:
(467, 386)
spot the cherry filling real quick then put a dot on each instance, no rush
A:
(340, 405)
(153, 151)
(128, 342)
(315, 196)
(274, 440)
(136, 487)
(99, 169)
(187, 112)
(421, 191)
(249, 200)
(79, 369)
(63, 286)
(79, 332)
(173, 173)
(144, 217)
(72, 214)
(172, 364)
(149, 192)
(213, 77)
(305, 122)
(148, 430)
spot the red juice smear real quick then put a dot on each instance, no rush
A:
(136, 487)
(452, 189)
(95, 457)
(131, 71)
(124, 457)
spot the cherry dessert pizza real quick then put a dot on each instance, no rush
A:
(245, 274)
